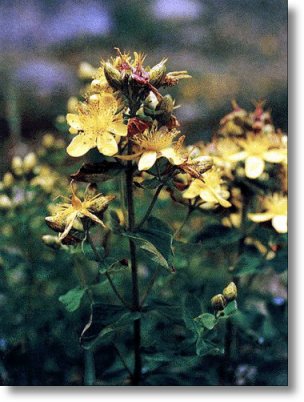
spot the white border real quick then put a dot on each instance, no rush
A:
(295, 391)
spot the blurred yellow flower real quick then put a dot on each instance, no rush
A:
(97, 125)
(275, 209)
(257, 149)
(66, 215)
(221, 150)
(156, 143)
(209, 189)
(48, 179)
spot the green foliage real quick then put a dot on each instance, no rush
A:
(72, 299)
(214, 236)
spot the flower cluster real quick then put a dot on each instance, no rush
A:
(125, 116)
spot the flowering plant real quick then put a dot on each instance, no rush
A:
(141, 148)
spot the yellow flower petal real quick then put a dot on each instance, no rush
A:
(224, 203)
(279, 222)
(172, 156)
(254, 167)
(207, 195)
(261, 217)
(106, 144)
(80, 145)
(239, 156)
(147, 160)
(73, 130)
(193, 190)
(70, 222)
(74, 121)
(118, 128)
(275, 156)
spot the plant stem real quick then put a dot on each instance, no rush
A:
(108, 276)
(135, 292)
(89, 372)
(151, 206)
(231, 330)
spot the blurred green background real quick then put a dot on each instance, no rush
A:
(232, 48)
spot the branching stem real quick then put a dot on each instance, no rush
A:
(151, 206)
(108, 276)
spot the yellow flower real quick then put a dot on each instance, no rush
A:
(67, 215)
(257, 149)
(221, 151)
(47, 179)
(96, 125)
(275, 209)
(209, 189)
(234, 220)
(153, 144)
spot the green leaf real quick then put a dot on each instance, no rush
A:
(97, 172)
(250, 262)
(149, 248)
(89, 253)
(204, 347)
(105, 319)
(191, 308)
(280, 262)
(160, 235)
(72, 299)
(230, 308)
(206, 320)
(172, 312)
(116, 260)
(112, 264)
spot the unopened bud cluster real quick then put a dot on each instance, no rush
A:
(220, 301)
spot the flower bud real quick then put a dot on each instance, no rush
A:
(5, 202)
(48, 140)
(8, 180)
(59, 144)
(204, 163)
(157, 73)
(218, 302)
(51, 241)
(86, 71)
(112, 75)
(72, 104)
(29, 162)
(97, 85)
(17, 165)
(230, 292)
(166, 104)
